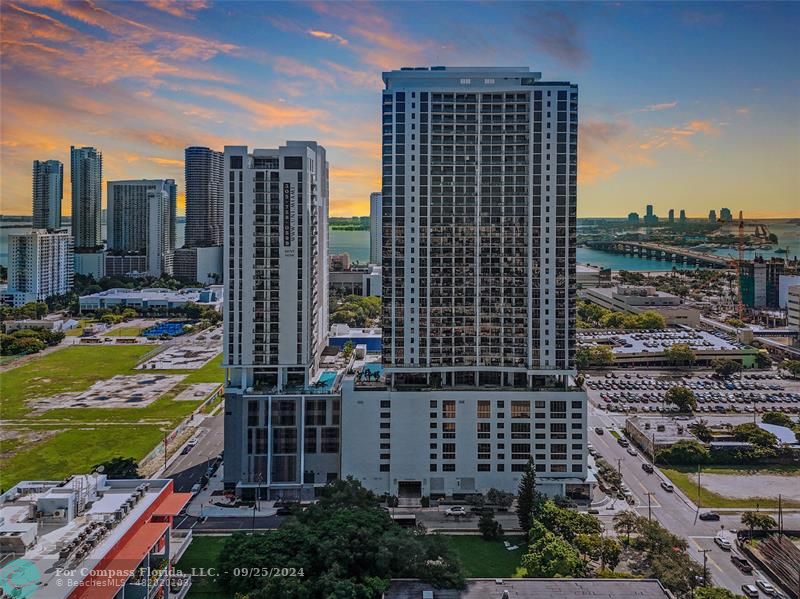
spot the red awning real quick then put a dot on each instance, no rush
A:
(172, 505)
(106, 580)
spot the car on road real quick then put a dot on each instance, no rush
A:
(723, 543)
(632, 451)
(710, 516)
(598, 430)
(766, 587)
(750, 591)
(186, 449)
(455, 510)
(648, 468)
(623, 442)
(667, 486)
(196, 488)
(742, 564)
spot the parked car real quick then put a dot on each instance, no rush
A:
(742, 564)
(766, 587)
(750, 591)
(455, 510)
(723, 543)
(623, 442)
(667, 486)
(648, 468)
(710, 516)
(196, 488)
(632, 451)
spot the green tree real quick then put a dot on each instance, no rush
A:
(735, 322)
(751, 433)
(650, 319)
(684, 453)
(792, 367)
(594, 356)
(778, 418)
(489, 528)
(677, 571)
(610, 551)
(701, 430)
(347, 350)
(762, 359)
(119, 467)
(613, 320)
(588, 546)
(567, 522)
(680, 355)
(763, 522)
(551, 556)
(726, 368)
(529, 500)
(626, 522)
(345, 550)
(683, 397)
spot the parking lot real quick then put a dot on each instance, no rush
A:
(644, 392)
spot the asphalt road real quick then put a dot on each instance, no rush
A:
(671, 509)
(187, 469)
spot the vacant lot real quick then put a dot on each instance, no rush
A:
(125, 332)
(739, 487)
(76, 440)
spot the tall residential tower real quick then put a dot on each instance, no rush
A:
(140, 224)
(86, 167)
(48, 190)
(276, 317)
(204, 173)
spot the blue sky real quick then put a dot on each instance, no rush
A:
(684, 105)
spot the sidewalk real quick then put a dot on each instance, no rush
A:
(201, 504)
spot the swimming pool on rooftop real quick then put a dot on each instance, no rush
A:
(373, 368)
(326, 380)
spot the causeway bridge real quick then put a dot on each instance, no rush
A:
(656, 251)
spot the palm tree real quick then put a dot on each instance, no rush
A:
(626, 522)
(753, 520)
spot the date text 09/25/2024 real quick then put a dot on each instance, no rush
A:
(245, 572)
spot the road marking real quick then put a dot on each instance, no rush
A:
(710, 559)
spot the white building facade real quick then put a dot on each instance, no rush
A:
(375, 228)
(141, 220)
(276, 309)
(48, 190)
(40, 265)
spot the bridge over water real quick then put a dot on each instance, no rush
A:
(656, 251)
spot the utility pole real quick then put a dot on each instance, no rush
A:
(705, 569)
(165, 450)
(698, 485)
(649, 507)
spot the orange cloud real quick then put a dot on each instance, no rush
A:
(178, 8)
(328, 36)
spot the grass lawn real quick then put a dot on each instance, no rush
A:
(614, 434)
(682, 478)
(72, 369)
(77, 450)
(125, 332)
(202, 553)
(487, 559)
(89, 435)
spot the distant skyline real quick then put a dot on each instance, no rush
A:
(689, 106)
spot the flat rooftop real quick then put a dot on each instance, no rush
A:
(673, 430)
(153, 293)
(639, 342)
(104, 512)
(535, 588)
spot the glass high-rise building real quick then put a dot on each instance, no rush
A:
(86, 167)
(204, 174)
(48, 190)
(479, 194)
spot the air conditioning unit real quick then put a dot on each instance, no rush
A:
(60, 514)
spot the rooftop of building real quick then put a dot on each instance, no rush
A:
(66, 527)
(656, 341)
(533, 588)
(664, 429)
(630, 290)
(155, 293)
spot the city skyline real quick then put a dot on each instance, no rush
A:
(166, 76)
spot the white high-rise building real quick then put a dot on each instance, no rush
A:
(375, 228)
(48, 190)
(40, 265)
(478, 337)
(86, 167)
(480, 184)
(139, 221)
(276, 312)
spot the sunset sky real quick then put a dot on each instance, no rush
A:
(693, 106)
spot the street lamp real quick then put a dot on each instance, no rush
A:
(255, 500)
